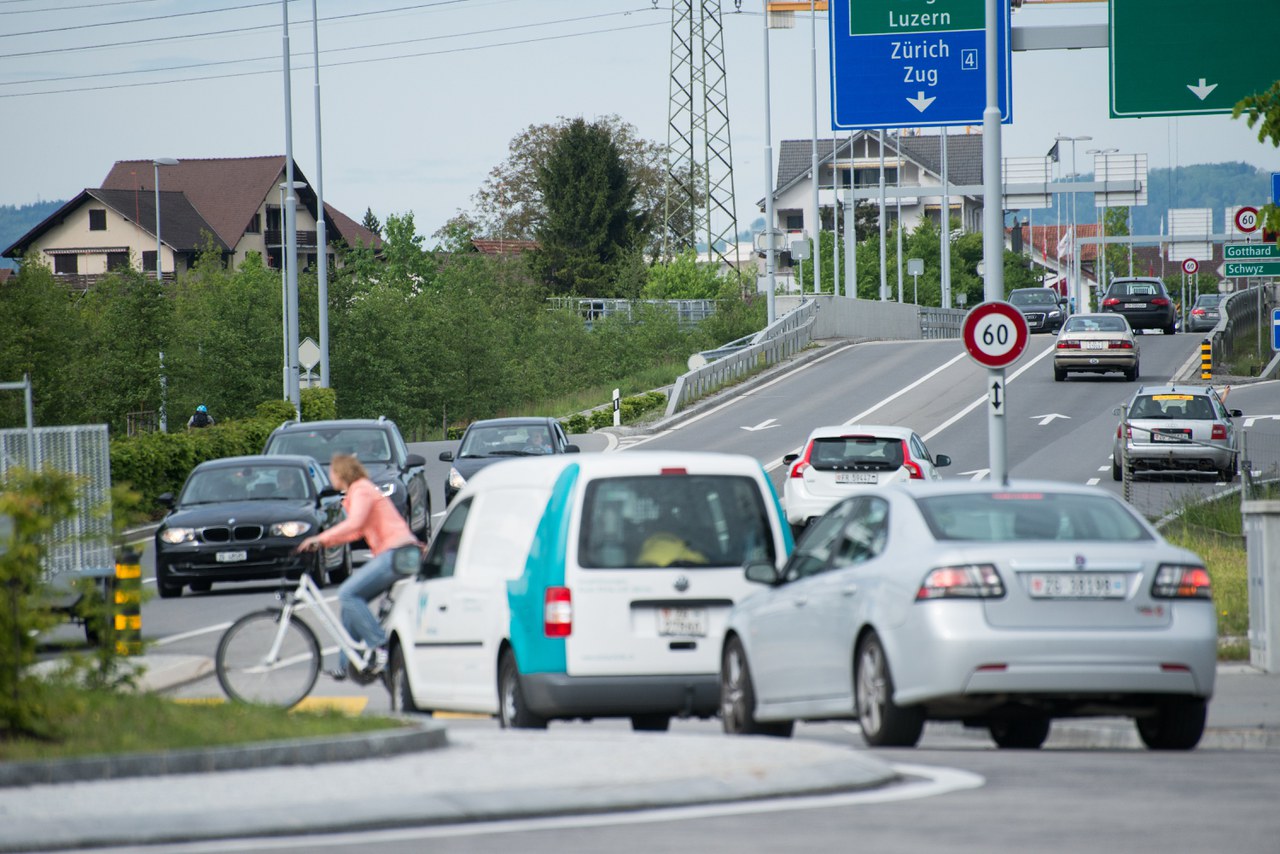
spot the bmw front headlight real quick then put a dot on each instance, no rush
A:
(295, 528)
(456, 480)
(177, 536)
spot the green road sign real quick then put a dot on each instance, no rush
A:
(1188, 57)
(1251, 251)
(1239, 269)
(897, 17)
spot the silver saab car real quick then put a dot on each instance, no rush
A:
(1001, 607)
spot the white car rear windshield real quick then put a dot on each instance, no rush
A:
(673, 520)
(1030, 516)
(849, 453)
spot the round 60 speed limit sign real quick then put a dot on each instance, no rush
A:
(995, 334)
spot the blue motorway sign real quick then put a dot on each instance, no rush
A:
(914, 63)
(1275, 330)
(1275, 188)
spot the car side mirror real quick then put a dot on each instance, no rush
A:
(941, 461)
(788, 459)
(330, 492)
(1236, 413)
(572, 449)
(446, 456)
(761, 572)
(165, 499)
(413, 460)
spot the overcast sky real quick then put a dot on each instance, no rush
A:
(420, 99)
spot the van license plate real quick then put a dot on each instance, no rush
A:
(231, 557)
(682, 621)
(856, 477)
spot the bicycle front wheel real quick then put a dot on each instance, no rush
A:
(249, 673)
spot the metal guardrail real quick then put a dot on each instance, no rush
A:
(781, 339)
(941, 322)
(1244, 324)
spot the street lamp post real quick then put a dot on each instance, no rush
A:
(164, 391)
(1077, 286)
(769, 224)
(284, 284)
(817, 211)
(1102, 220)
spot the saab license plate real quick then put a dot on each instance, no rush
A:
(231, 557)
(1095, 345)
(682, 621)
(1076, 585)
(856, 477)
(1168, 436)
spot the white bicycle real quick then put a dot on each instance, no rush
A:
(272, 657)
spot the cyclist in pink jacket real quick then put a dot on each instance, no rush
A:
(371, 516)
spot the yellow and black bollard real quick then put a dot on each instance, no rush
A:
(128, 604)
(1206, 360)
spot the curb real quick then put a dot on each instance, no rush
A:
(417, 736)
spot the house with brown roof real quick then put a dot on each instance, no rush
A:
(234, 205)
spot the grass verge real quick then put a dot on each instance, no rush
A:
(92, 723)
(1215, 531)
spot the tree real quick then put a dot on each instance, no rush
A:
(590, 221)
(371, 222)
(1263, 109)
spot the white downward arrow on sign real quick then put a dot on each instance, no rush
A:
(1202, 91)
(763, 425)
(1046, 419)
(921, 103)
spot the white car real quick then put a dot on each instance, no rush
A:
(839, 459)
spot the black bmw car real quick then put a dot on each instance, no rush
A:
(240, 519)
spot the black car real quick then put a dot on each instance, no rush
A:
(1042, 308)
(486, 442)
(377, 443)
(240, 519)
(1143, 301)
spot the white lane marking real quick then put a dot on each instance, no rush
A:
(1103, 468)
(983, 400)
(217, 627)
(923, 782)
(773, 464)
(1093, 481)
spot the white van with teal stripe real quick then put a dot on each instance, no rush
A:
(582, 586)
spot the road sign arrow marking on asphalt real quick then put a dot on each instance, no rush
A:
(1202, 91)
(1253, 419)
(1047, 419)
(763, 425)
(978, 474)
(921, 103)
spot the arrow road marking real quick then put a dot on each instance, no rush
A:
(1202, 91)
(978, 474)
(921, 103)
(1252, 419)
(1046, 419)
(763, 425)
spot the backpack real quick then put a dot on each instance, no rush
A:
(201, 419)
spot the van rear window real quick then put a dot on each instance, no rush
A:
(673, 520)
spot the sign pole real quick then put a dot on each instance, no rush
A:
(993, 236)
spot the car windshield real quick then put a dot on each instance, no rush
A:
(370, 445)
(245, 483)
(1096, 323)
(1033, 298)
(1195, 407)
(510, 440)
(847, 453)
(673, 520)
(1030, 516)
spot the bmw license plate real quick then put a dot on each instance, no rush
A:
(1076, 585)
(685, 622)
(856, 477)
(231, 557)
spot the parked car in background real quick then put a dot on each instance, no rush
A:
(491, 440)
(1204, 313)
(840, 459)
(1177, 428)
(240, 519)
(377, 443)
(1143, 301)
(1043, 308)
(1096, 343)
(999, 606)
(583, 586)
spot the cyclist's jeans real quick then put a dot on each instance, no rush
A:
(366, 584)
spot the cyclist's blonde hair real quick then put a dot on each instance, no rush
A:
(348, 467)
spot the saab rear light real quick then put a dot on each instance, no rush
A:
(294, 528)
(557, 612)
(971, 581)
(1219, 432)
(176, 536)
(1120, 345)
(1110, 301)
(798, 467)
(1181, 581)
(1068, 345)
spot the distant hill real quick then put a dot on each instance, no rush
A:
(17, 221)
(1208, 185)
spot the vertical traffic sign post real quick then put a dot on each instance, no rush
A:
(995, 335)
(913, 63)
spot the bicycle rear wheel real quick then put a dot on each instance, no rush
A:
(247, 676)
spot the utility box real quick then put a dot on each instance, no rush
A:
(1262, 545)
